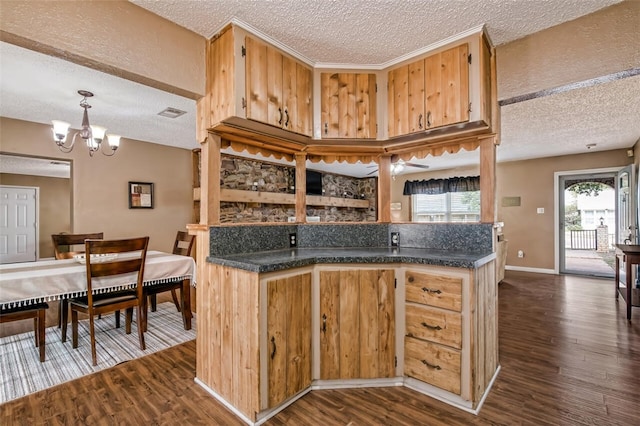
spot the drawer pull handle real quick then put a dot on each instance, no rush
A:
(435, 367)
(430, 290)
(324, 323)
(432, 327)
(273, 342)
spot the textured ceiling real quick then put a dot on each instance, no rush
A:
(325, 32)
(371, 31)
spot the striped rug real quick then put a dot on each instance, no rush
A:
(22, 372)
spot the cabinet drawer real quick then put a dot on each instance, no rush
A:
(433, 364)
(435, 325)
(435, 290)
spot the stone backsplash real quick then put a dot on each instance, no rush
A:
(251, 175)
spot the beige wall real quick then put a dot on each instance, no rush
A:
(533, 182)
(100, 183)
(570, 52)
(116, 37)
(54, 205)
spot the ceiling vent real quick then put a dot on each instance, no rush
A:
(172, 112)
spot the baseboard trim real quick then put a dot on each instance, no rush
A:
(526, 269)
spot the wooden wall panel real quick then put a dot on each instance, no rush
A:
(227, 341)
(220, 84)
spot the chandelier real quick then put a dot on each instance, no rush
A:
(93, 135)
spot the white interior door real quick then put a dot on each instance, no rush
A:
(18, 224)
(627, 226)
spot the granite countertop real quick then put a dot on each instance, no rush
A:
(278, 260)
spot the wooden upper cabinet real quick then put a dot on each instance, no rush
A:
(447, 87)
(430, 92)
(278, 88)
(348, 105)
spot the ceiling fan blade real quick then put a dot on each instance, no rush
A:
(420, 166)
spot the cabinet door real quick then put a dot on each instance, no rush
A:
(447, 87)
(416, 96)
(275, 69)
(348, 105)
(256, 80)
(302, 116)
(399, 101)
(357, 324)
(366, 106)
(288, 337)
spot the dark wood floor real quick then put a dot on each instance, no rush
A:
(568, 357)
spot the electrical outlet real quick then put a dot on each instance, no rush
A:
(293, 239)
(520, 253)
(395, 239)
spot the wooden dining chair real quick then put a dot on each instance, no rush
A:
(37, 311)
(65, 246)
(128, 268)
(182, 246)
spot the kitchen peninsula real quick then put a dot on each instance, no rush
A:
(346, 308)
(287, 308)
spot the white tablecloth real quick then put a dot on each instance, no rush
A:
(43, 281)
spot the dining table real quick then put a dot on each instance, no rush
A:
(49, 280)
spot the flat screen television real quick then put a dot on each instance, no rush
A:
(314, 182)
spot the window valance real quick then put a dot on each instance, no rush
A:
(442, 186)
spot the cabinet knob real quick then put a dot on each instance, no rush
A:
(420, 121)
(324, 323)
(286, 123)
(280, 119)
(326, 128)
(428, 118)
(430, 290)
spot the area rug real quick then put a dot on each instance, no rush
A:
(22, 372)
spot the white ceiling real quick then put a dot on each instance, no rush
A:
(363, 32)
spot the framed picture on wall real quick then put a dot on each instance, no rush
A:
(140, 195)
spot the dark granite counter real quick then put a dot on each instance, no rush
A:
(283, 259)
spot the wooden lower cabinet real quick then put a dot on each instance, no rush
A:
(451, 335)
(288, 337)
(434, 364)
(357, 323)
(256, 332)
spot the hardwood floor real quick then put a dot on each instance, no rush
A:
(567, 352)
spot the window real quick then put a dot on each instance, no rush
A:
(447, 207)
